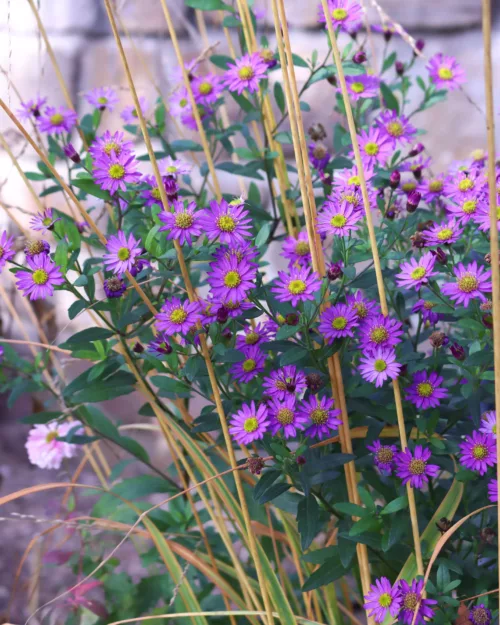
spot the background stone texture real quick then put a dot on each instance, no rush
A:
(80, 35)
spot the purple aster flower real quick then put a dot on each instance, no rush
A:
(227, 222)
(493, 490)
(122, 252)
(247, 252)
(364, 307)
(285, 417)
(231, 308)
(344, 14)
(39, 283)
(297, 250)
(169, 166)
(32, 248)
(383, 599)
(231, 278)
(425, 390)
(380, 331)
(338, 322)
(253, 336)
(384, 456)
(54, 121)
(425, 307)
(321, 414)
(375, 147)
(249, 368)
(102, 98)
(206, 89)
(138, 265)
(249, 424)
(297, 286)
(380, 365)
(151, 195)
(114, 287)
(31, 109)
(319, 155)
(470, 284)
(482, 218)
(489, 423)
(129, 113)
(397, 127)
(478, 452)
(178, 102)
(411, 600)
(245, 73)
(160, 345)
(465, 182)
(7, 251)
(71, 153)
(362, 86)
(416, 165)
(183, 223)
(445, 72)
(176, 316)
(286, 382)
(114, 172)
(339, 219)
(413, 467)
(109, 144)
(467, 206)
(351, 178)
(431, 189)
(44, 221)
(415, 273)
(443, 234)
(480, 615)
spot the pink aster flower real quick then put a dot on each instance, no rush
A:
(253, 336)
(443, 234)
(425, 390)
(249, 368)
(183, 223)
(249, 424)
(39, 283)
(415, 273)
(414, 467)
(109, 144)
(122, 252)
(482, 218)
(379, 366)
(338, 218)
(297, 250)
(417, 164)
(44, 450)
(362, 86)
(245, 73)
(44, 221)
(338, 322)
(344, 14)
(412, 596)
(375, 147)
(465, 182)
(425, 307)
(380, 331)
(102, 98)
(363, 307)
(445, 72)
(247, 252)
(178, 102)
(397, 127)
(286, 382)
(297, 286)
(493, 490)
(207, 89)
(383, 456)
(383, 599)
(471, 282)
(489, 423)
(351, 178)
(478, 452)
(115, 172)
(431, 189)
(230, 278)
(227, 222)
(285, 417)
(7, 251)
(178, 317)
(169, 166)
(321, 414)
(54, 121)
(32, 109)
(467, 206)
(129, 113)
(151, 195)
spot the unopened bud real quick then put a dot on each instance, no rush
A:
(292, 319)
(420, 44)
(440, 255)
(138, 348)
(400, 68)
(301, 460)
(71, 153)
(438, 339)
(359, 57)
(255, 465)
(317, 132)
(332, 80)
(417, 172)
(418, 240)
(417, 149)
(334, 271)
(222, 314)
(314, 382)
(394, 179)
(457, 351)
(413, 201)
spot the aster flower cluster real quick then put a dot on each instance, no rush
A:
(400, 601)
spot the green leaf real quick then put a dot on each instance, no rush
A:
(87, 336)
(389, 61)
(220, 60)
(308, 520)
(400, 503)
(206, 5)
(351, 509)
(364, 525)
(266, 480)
(293, 355)
(273, 492)
(328, 572)
(61, 255)
(286, 331)
(263, 235)
(89, 186)
(186, 145)
(41, 417)
(169, 385)
(389, 98)
(279, 96)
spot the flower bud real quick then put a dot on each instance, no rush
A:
(255, 465)
(486, 306)
(71, 153)
(359, 57)
(314, 382)
(418, 240)
(301, 460)
(227, 334)
(420, 44)
(417, 149)
(438, 339)
(334, 271)
(488, 321)
(457, 351)
(400, 68)
(390, 213)
(222, 314)
(292, 319)
(425, 225)
(138, 348)
(171, 187)
(413, 201)
(332, 80)
(317, 132)
(440, 255)
(487, 535)
(417, 172)
(394, 179)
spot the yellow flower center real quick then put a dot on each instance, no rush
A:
(435, 186)
(40, 276)
(395, 129)
(245, 72)
(478, 155)
(385, 600)
(251, 338)
(102, 100)
(445, 234)
(408, 186)
(123, 253)
(357, 87)
(116, 171)
(466, 184)
(232, 279)
(445, 73)
(302, 248)
(429, 305)
(249, 365)
(56, 119)
(156, 193)
(361, 309)
(52, 435)
(2, 251)
(469, 207)
(467, 283)
(385, 454)
(134, 113)
(112, 146)
(226, 223)
(418, 273)
(205, 88)
(250, 425)
(178, 315)
(410, 601)
(498, 212)
(280, 319)
(171, 169)
(338, 221)
(351, 198)
(379, 334)
(296, 287)
(380, 365)
(480, 452)
(417, 467)
(371, 148)
(47, 221)
(285, 416)
(355, 180)
(339, 323)
(183, 103)
(425, 389)
(319, 416)
(183, 220)
(339, 14)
